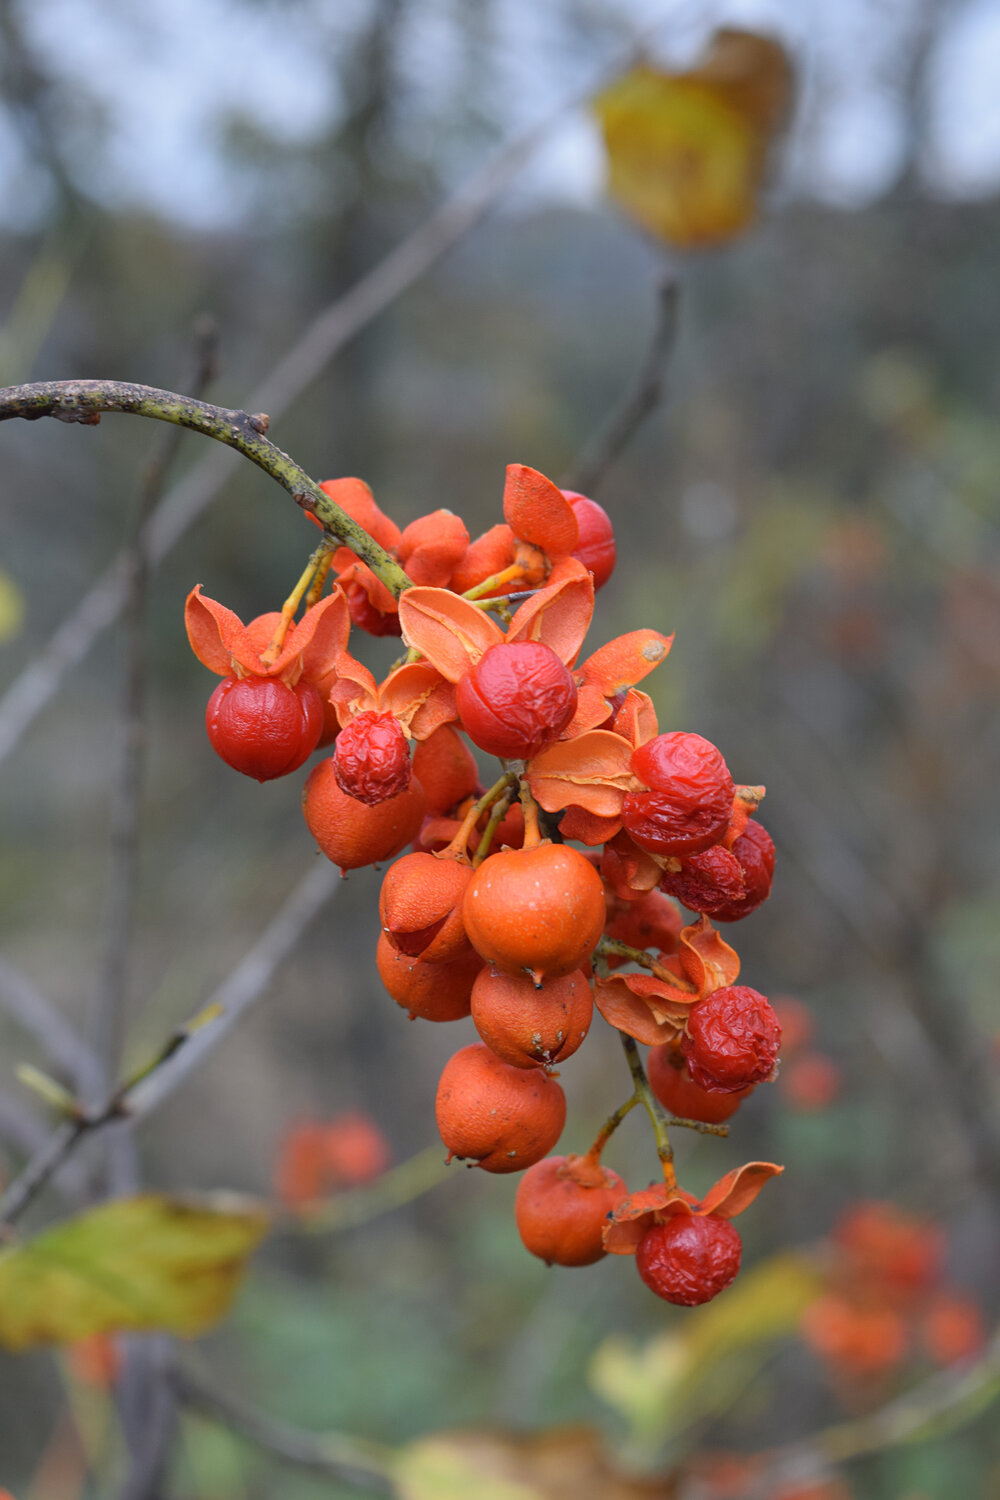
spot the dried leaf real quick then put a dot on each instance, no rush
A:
(687, 152)
(135, 1263)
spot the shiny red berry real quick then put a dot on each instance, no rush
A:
(732, 1039)
(596, 545)
(371, 759)
(518, 697)
(690, 797)
(690, 1259)
(263, 727)
(754, 851)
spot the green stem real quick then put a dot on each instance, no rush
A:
(645, 960)
(83, 401)
(497, 816)
(657, 1115)
(610, 1125)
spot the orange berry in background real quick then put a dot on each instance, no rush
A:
(539, 911)
(504, 1118)
(562, 1206)
(356, 1150)
(797, 1024)
(94, 1361)
(446, 769)
(432, 992)
(677, 1091)
(856, 1339)
(420, 906)
(352, 833)
(883, 1245)
(953, 1329)
(531, 1028)
(811, 1082)
(300, 1174)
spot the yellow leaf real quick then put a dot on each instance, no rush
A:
(687, 152)
(11, 607)
(442, 1468)
(141, 1263)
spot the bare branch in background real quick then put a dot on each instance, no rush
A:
(185, 1051)
(37, 1015)
(640, 400)
(337, 1456)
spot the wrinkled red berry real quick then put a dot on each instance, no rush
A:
(690, 797)
(263, 727)
(371, 759)
(517, 698)
(732, 1041)
(754, 850)
(690, 1259)
(709, 882)
(596, 545)
(364, 614)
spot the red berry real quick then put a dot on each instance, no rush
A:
(596, 546)
(517, 698)
(754, 850)
(263, 727)
(366, 616)
(371, 758)
(562, 1206)
(690, 797)
(732, 1041)
(674, 1087)
(690, 1259)
(709, 882)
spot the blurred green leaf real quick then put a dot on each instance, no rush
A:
(145, 1262)
(686, 1373)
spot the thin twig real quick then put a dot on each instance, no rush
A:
(336, 1455)
(641, 399)
(940, 1404)
(28, 1132)
(127, 772)
(36, 1014)
(242, 988)
(341, 322)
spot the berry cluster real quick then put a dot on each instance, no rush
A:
(555, 890)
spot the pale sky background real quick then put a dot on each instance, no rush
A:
(166, 70)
